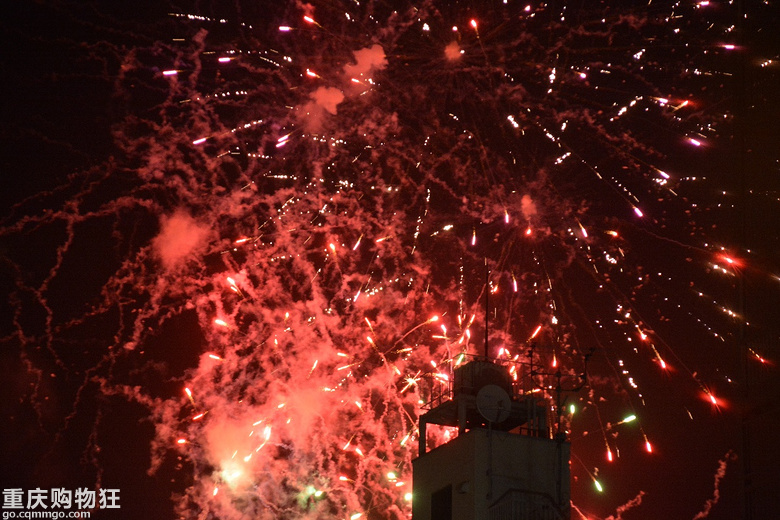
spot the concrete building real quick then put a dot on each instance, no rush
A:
(505, 464)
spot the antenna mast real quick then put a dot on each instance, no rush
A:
(487, 305)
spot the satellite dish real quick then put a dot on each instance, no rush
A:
(493, 403)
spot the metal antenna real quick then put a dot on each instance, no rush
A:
(487, 305)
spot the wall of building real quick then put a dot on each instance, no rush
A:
(483, 466)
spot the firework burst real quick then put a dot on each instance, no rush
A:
(307, 207)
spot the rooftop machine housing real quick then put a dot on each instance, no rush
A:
(503, 465)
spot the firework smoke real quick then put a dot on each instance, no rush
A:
(287, 247)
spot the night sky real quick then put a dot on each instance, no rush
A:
(242, 242)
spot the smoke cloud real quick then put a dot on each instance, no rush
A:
(181, 236)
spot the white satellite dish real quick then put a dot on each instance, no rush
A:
(493, 403)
